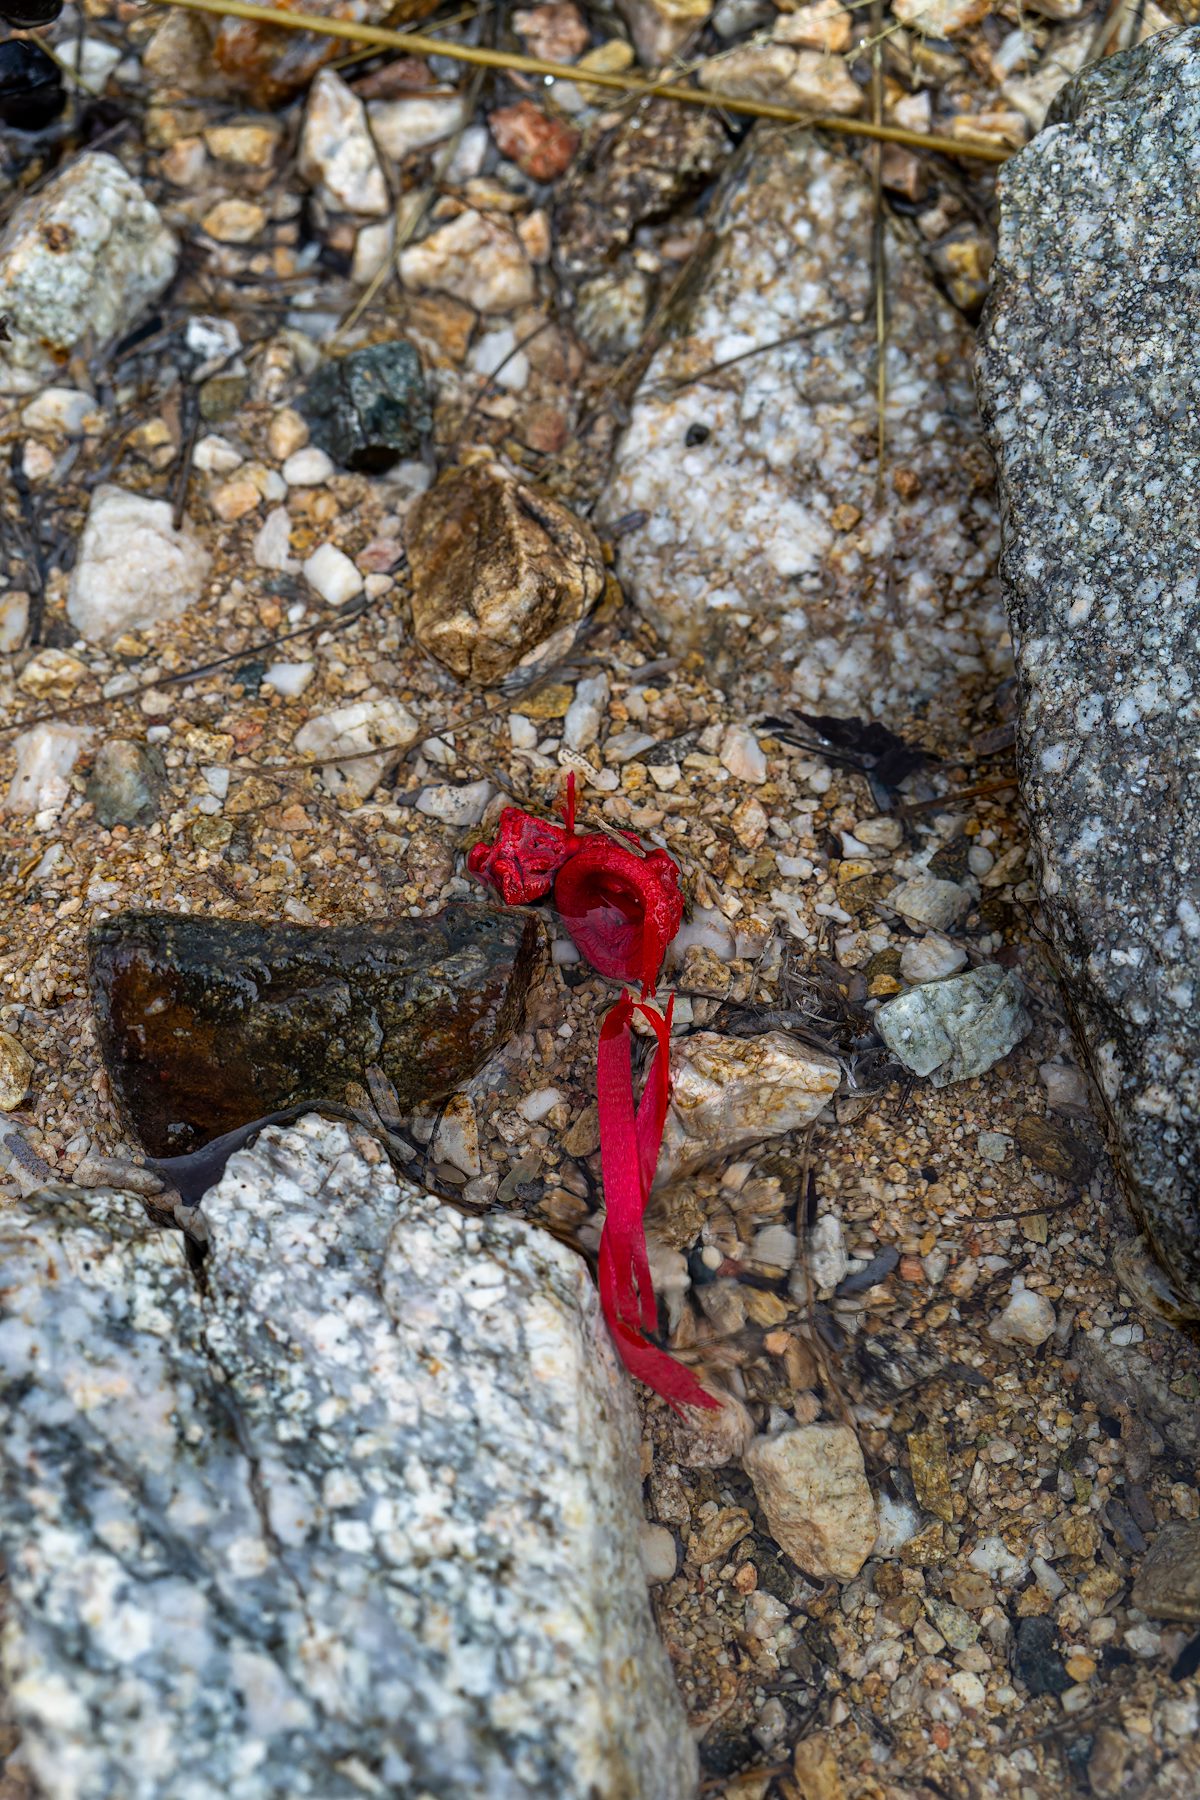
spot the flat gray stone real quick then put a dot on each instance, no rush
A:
(361, 1520)
(751, 449)
(1089, 379)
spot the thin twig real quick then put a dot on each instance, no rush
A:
(879, 256)
(416, 44)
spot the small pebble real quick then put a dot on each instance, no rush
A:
(1027, 1319)
(742, 754)
(289, 679)
(659, 1555)
(930, 958)
(535, 1106)
(330, 571)
(308, 467)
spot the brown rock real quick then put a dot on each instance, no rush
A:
(540, 146)
(497, 566)
(395, 80)
(1056, 1149)
(1107, 1764)
(207, 1025)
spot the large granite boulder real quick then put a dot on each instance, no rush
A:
(751, 449)
(1089, 379)
(356, 1516)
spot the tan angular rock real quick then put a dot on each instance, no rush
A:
(825, 25)
(812, 1486)
(235, 221)
(476, 258)
(940, 18)
(729, 1092)
(497, 567)
(246, 143)
(804, 78)
(662, 29)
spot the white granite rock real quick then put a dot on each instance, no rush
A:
(363, 1518)
(476, 258)
(61, 409)
(45, 754)
(84, 255)
(337, 154)
(812, 1485)
(272, 543)
(827, 1260)
(14, 621)
(133, 568)
(759, 482)
(351, 731)
(728, 1093)
(927, 900)
(456, 803)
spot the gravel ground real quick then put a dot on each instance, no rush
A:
(1018, 1481)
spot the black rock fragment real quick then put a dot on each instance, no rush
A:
(370, 408)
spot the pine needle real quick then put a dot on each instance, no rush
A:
(416, 44)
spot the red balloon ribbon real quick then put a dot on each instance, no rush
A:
(622, 907)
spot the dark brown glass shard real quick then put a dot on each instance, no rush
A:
(206, 1025)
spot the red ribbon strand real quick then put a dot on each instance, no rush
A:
(622, 907)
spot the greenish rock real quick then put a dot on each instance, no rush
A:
(370, 408)
(222, 396)
(211, 832)
(209, 1024)
(127, 783)
(953, 1029)
(956, 1626)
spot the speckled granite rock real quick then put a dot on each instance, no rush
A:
(1089, 375)
(363, 1520)
(764, 532)
(84, 255)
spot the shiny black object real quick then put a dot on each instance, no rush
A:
(31, 88)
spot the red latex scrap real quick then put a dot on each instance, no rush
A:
(622, 907)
